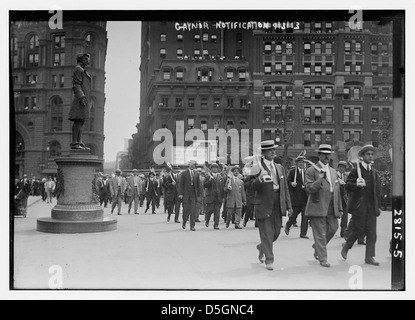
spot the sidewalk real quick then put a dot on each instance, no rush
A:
(148, 253)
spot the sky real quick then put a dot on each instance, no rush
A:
(122, 85)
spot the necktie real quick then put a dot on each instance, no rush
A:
(328, 176)
(274, 176)
(191, 177)
(302, 176)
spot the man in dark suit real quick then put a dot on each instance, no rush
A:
(152, 189)
(363, 204)
(170, 193)
(214, 183)
(296, 184)
(272, 200)
(324, 204)
(342, 177)
(188, 192)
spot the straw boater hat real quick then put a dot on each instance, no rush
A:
(118, 170)
(366, 148)
(342, 163)
(234, 168)
(299, 158)
(267, 145)
(135, 170)
(214, 165)
(324, 148)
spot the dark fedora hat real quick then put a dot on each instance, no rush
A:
(324, 148)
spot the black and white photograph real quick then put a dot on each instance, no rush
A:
(186, 152)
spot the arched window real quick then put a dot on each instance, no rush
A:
(34, 42)
(54, 149)
(90, 41)
(33, 52)
(56, 112)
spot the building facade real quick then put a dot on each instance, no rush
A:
(303, 84)
(42, 60)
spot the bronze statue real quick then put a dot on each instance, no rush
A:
(79, 112)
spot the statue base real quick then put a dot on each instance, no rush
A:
(77, 210)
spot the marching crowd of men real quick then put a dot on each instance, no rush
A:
(317, 192)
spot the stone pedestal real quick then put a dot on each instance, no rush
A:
(77, 210)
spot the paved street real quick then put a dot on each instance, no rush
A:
(147, 252)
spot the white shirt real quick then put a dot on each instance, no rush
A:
(367, 166)
(326, 168)
(271, 167)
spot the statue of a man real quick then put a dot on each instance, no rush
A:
(79, 112)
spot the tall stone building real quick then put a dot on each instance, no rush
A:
(301, 83)
(42, 60)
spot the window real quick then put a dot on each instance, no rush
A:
(204, 102)
(59, 41)
(54, 149)
(15, 61)
(243, 102)
(289, 92)
(90, 41)
(278, 92)
(203, 125)
(205, 37)
(34, 42)
(357, 135)
(179, 37)
(356, 93)
(216, 102)
(205, 74)
(61, 80)
(229, 74)
(33, 103)
(384, 49)
(163, 37)
(385, 93)
(56, 114)
(179, 53)
(267, 135)
(267, 114)
(317, 48)
(230, 102)
(242, 75)
(239, 38)
(13, 44)
(307, 114)
(317, 138)
(196, 53)
(190, 123)
(329, 69)
(329, 48)
(307, 68)
(375, 69)
(278, 68)
(278, 114)
(307, 93)
(317, 92)
(289, 48)
(34, 59)
(289, 68)
(242, 124)
(216, 124)
(347, 47)
(307, 138)
(213, 38)
(165, 102)
(358, 68)
(267, 92)
(346, 115)
(289, 114)
(346, 93)
(374, 48)
(179, 102)
(385, 69)
(307, 27)
(267, 48)
(375, 139)
(356, 115)
(278, 48)
(317, 69)
(191, 102)
(58, 59)
(329, 137)
(329, 93)
(386, 114)
(166, 74)
(196, 37)
(346, 135)
(329, 115)
(317, 115)
(317, 27)
(179, 74)
(375, 95)
(358, 47)
(348, 67)
(206, 53)
(163, 53)
(329, 27)
(267, 68)
(229, 125)
(307, 48)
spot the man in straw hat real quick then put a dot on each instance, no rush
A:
(324, 204)
(214, 184)
(134, 185)
(363, 204)
(272, 200)
(296, 184)
(118, 186)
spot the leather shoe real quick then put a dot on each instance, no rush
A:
(207, 224)
(177, 221)
(192, 229)
(363, 243)
(269, 266)
(244, 224)
(372, 261)
(238, 227)
(261, 257)
(184, 226)
(304, 237)
(197, 220)
(325, 264)
(216, 228)
(227, 224)
(287, 230)
(344, 251)
(315, 253)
